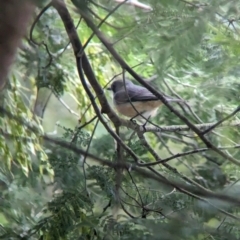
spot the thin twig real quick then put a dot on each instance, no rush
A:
(222, 120)
(66, 106)
(161, 97)
(135, 185)
(188, 189)
(185, 154)
(42, 42)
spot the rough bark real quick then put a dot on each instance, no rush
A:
(14, 18)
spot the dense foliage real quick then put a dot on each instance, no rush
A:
(71, 169)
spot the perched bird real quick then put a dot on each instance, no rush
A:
(135, 101)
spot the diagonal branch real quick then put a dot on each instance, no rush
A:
(84, 65)
(77, 47)
(223, 120)
(194, 192)
(125, 66)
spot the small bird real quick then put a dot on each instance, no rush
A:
(135, 101)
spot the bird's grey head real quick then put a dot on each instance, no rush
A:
(118, 84)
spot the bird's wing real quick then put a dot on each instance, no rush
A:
(134, 94)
